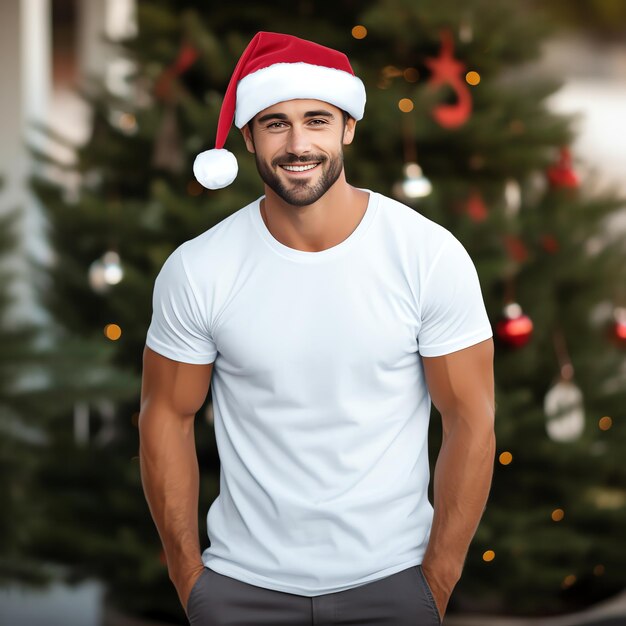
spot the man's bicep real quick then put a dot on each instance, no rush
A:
(173, 386)
(461, 383)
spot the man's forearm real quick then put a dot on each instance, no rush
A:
(462, 481)
(170, 478)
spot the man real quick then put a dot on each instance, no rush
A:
(333, 315)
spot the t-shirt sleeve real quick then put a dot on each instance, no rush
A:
(453, 314)
(179, 328)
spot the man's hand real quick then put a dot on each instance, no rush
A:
(184, 582)
(441, 587)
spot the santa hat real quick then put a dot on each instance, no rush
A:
(273, 68)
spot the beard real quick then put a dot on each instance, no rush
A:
(301, 192)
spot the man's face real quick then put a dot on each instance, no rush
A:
(297, 145)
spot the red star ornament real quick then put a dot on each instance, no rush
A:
(445, 69)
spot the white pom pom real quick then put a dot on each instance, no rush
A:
(215, 168)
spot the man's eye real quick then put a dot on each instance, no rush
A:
(274, 124)
(321, 122)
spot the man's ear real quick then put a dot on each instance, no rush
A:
(348, 131)
(247, 137)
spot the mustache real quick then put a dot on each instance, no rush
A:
(291, 160)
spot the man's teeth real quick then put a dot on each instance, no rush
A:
(299, 168)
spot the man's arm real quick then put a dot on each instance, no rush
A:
(171, 394)
(461, 386)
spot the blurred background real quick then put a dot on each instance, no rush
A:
(503, 121)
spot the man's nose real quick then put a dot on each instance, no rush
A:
(298, 141)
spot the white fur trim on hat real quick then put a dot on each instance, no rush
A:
(215, 168)
(288, 81)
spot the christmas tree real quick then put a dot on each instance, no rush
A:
(18, 439)
(43, 375)
(453, 128)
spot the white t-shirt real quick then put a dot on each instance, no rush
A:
(320, 405)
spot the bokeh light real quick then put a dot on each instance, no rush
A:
(568, 581)
(604, 423)
(405, 105)
(505, 458)
(472, 78)
(410, 75)
(112, 332)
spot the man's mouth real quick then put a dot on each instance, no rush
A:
(300, 168)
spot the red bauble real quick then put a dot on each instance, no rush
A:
(561, 173)
(475, 207)
(620, 332)
(617, 328)
(515, 328)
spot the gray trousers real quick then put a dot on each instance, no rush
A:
(402, 599)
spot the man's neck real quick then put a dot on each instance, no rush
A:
(318, 226)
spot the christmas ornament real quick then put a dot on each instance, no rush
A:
(618, 327)
(563, 404)
(415, 184)
(276, 67)
(475, 206)
(105, 272)
(561, 173)
(445, 69)
(515, 329)
(512, 197)
(563, 407)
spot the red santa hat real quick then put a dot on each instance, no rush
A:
(273, 68)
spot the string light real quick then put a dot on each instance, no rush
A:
(488, 556)
(410, 75)
(472, 78)
(558, 515)
(112, 332)
(359, 32)
(604, 423)
(505, 458)
(568, 581)
(391, 71)
(405, 105)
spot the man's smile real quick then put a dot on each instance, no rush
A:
(299, 168)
